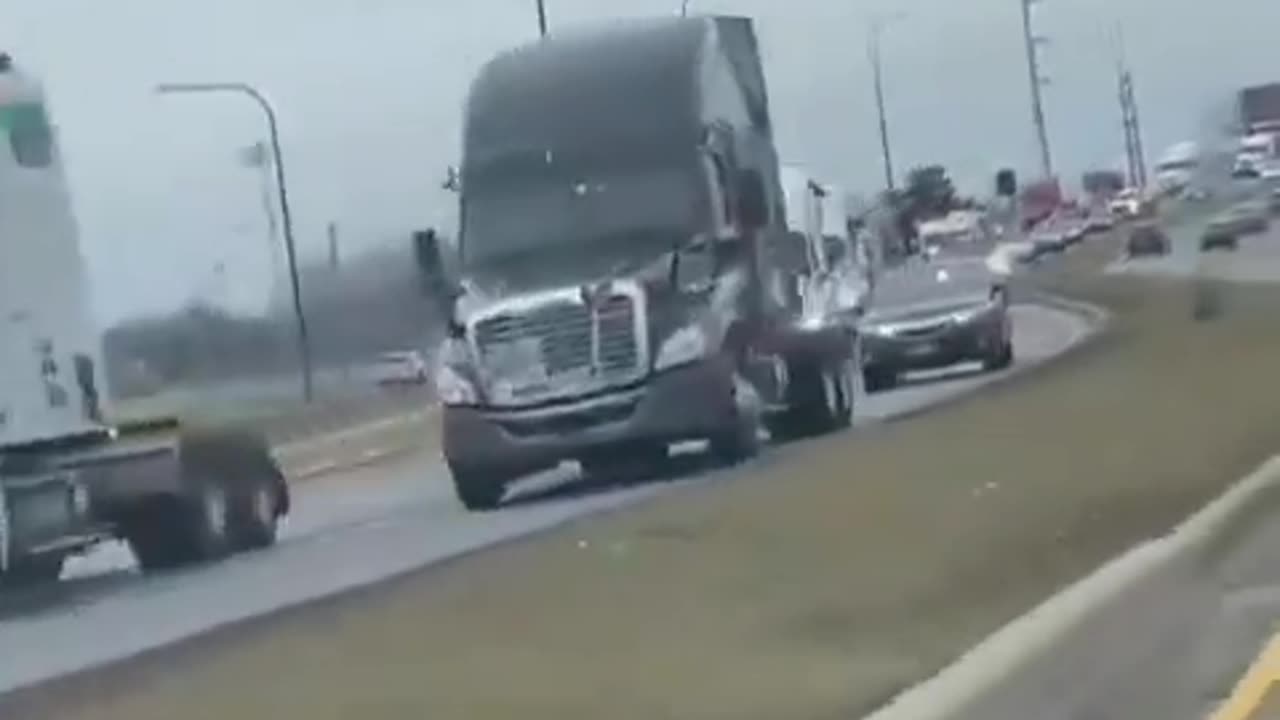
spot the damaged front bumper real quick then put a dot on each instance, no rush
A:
(690, 402)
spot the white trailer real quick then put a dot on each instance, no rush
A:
(68, 477)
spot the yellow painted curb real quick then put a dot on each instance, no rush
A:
(1258, 682)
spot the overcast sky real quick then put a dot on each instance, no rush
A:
(369, 95)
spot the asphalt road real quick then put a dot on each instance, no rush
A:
(364, 526)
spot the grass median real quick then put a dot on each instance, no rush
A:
(817, 585)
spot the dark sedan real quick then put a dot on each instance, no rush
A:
(933, 315)
(1147, 239)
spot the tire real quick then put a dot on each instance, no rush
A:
(255, 517)
(168, 532)
(819, 400)
(1002, 359)
(477, 490)
(740, 440)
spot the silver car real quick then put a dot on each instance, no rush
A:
(933, 314)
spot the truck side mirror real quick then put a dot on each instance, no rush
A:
(753, 204)
(434, 273)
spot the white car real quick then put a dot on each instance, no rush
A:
(405, 367)
(1127, 204)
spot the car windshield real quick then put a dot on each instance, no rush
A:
(927, 283)
(631, 359)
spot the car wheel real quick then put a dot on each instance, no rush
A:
(478, 490)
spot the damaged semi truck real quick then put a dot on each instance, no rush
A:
(624, 281)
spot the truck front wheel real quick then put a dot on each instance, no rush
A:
(478, 490)
(740, 439)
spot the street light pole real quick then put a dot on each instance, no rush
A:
(286, 217)
(877, 75)
(684, 8)
(542, 18)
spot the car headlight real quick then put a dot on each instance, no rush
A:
(880, 329)
(812, 322)
(453, 388)
(685, 345)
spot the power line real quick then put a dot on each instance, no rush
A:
(542, 18)
(1037, 81)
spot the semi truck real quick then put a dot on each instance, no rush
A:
(70, 477)
(624, 277)
(1259, 107)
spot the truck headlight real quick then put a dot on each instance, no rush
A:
(453, 388)
(880, 329)
(685, 345)
(812, 322)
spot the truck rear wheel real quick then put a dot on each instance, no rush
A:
(478, 490)
(820, 399)
(255, 516)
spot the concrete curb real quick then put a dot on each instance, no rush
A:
(1043, 648)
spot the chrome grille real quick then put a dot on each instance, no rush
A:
(569, 335)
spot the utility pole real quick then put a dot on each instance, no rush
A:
(1134, 156)
(542, 18)
(876, 29)
(1038, 81)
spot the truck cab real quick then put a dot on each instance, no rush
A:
(617, 292)
(69, 478)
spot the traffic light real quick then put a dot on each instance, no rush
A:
(1006, 183)
(427, 255)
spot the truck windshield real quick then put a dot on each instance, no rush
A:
(507, 215)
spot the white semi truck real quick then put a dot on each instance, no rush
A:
(69, 478)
